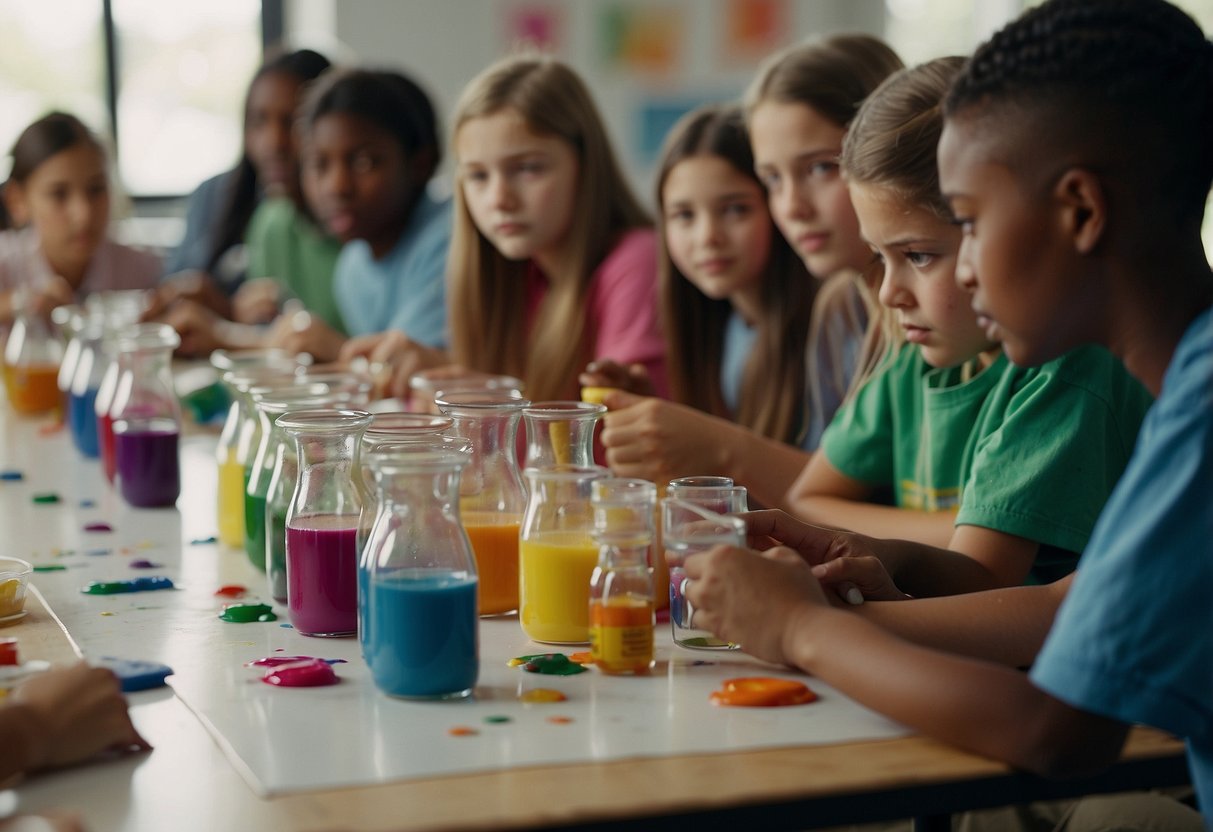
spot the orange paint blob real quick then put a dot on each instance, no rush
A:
(462, 731)
(762, 692)
(542, 695)
(560, 720)
(581, 658)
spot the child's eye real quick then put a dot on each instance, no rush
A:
(821, 170)
(679, 215)
(919, 259)
(477, 176)
(737, 209)
(364, 163)
(531, 167)
(964, 223)
(769, 180)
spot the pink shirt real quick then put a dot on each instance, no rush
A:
(113, 266)
(622, 318)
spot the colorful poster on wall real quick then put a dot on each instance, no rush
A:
(641, 37)
(656, 116)
(753, 29)
(538, 26)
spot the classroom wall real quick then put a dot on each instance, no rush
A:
(646, 62)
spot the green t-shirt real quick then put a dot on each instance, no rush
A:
(1033, 452)
(285, 245)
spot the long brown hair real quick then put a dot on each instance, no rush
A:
(487, 298)
(773, 385)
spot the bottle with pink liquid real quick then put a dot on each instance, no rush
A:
(147, 420)
(322, 520)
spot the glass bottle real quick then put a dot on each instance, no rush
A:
(492, 497)
(557, 554)
(322, 521)
(90, 364)
(621, 588)
(425, 387)
(107, 388)
(283, 461)
(690, 528)
(718, 494)
(147, 420)
(31, 363)
(561, 433)
(417, 579)
(68, 321)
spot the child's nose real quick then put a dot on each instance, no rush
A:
(966, 275)
(893, 293)
(500, 192)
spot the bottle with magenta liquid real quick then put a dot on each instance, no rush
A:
(147, 420)
(417, 578)
(107, 388)
(322, 521)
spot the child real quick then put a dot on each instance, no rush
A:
(736, 302)
(58, 195)
(553, 261)
(1008, 465)
(797, 112)
(369, 147)
(1077, 155)
(207, 266)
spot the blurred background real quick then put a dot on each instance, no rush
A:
(165, 81)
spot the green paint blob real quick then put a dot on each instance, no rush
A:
(247, 613)
(498, 720)
(551, 664)
(50, 567)
(46, 499)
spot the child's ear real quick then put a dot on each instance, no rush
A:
(1084, 208)
(14, 203)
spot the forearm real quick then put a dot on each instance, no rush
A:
(985, 708)
(930, 528)
(766, 467)
(1006, 626)
(19, 739)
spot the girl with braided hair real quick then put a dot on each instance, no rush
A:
(1077, 155)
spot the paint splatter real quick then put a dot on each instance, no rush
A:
(462, 731)
(8, 652)
(247, 613)
(202, 541)
(87, 503)
(45, 499)
(309, 673)
(49, 567)
(498, 719)
(287, 626)
(106, 614)
(231, 591)
(143, 563)
(98, 527)
(581, 658)
(542, 695)
(11, 476)
(278, 661)
(762, 692)
(132, 585)
(702, 663)
(560, 720)
(94, 552)
(50, 429)
(548, 664)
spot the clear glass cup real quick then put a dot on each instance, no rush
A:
(417, 578)
(322, 521)
(561, 433)
(557, 554)
(68, 320)
(492, 496)
(621, 588)
(425, 387)
(146, 420)
(689, 529)
(717, 494)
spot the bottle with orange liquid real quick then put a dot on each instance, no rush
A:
(31, 365)
(621, 588)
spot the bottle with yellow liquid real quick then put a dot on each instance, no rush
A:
(621, 588)
(557, 554)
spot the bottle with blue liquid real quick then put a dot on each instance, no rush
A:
(90, 364)
(417, 579)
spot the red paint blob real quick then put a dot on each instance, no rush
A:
(231, 591)
(278, 661)
(762, 692)
(309, 673)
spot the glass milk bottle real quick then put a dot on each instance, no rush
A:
(561, 433)
(68, 321)
(417, 579)
(82, 389)
(557, 554)
(621, 589)
(31, 363)
(322, 521)
(492, 497)
(147, 420)
(107, 389)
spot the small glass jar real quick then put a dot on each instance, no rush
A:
(90, 364)
(425, 387)
(147, 420)
(557, 554)
(621, 588)
(561, 433)
(417, 579)
(107, 388)
(492, 497)
(32, 356)
(322, 521)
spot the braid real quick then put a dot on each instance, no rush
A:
(1139, 71)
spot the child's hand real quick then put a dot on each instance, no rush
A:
(257, 301)
(300, 331)
(751, 598)
(196, 286)
(607, 373)
(401, 356)
(658, 440)
(77, 713)
(856, 579)
(195, 324)
(51, 292)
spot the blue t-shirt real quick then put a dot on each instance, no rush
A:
(406, 290)
(738, 341)
(1133, 640)
(203, 212)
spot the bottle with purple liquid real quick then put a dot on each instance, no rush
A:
(322, 521)
(147, 419)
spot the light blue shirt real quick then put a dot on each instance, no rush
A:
(1133, 640)
(406, 290)
(738, 341)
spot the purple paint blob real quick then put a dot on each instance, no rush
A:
(143, 563)
(148, 468)
(98, 527)
(308, 673)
